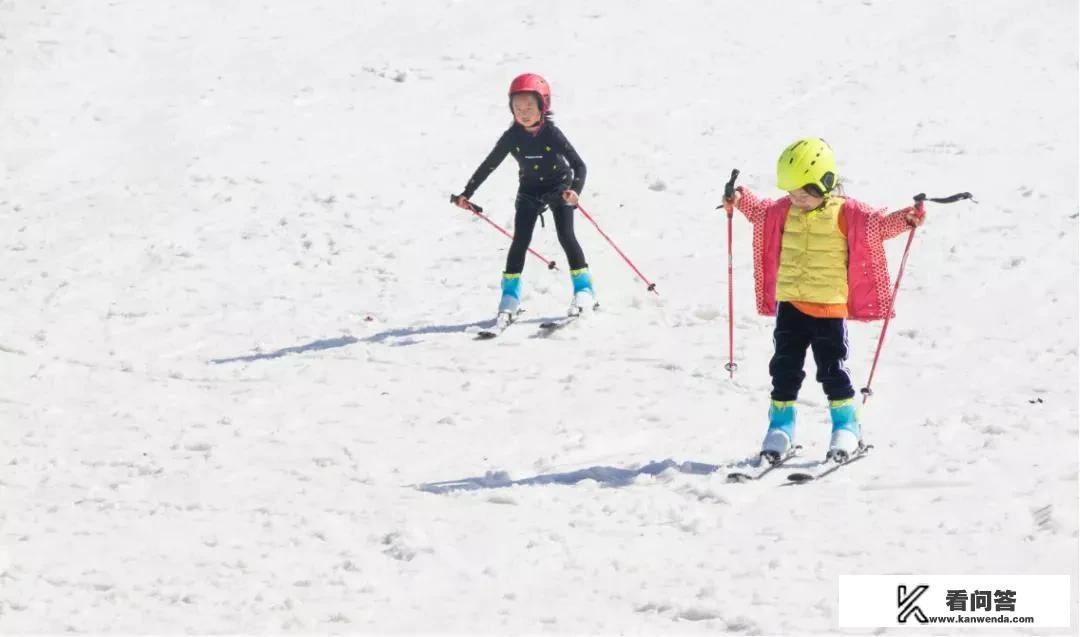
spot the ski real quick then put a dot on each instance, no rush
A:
(548, 327)
(502, 321)
(491, 332)
(804, 477)
(762, 468)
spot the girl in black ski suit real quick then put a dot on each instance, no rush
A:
(551, 174)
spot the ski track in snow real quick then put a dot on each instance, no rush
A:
(238, 391)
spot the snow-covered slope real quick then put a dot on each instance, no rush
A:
(233, 304)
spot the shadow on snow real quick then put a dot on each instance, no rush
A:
(606, 476)
(345, 341)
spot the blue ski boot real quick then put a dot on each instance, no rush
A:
(846, 431)
(584, 296)
(781, 434)
(510, 303)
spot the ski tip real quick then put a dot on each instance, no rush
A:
(551, 326)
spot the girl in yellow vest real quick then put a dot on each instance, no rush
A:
(819, 260)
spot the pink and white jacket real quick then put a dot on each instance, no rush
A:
(867, 230)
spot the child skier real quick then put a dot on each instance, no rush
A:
(550, 175)
(819, 260)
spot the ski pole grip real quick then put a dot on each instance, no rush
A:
(472, 206)
(729, 188)
(960, 196)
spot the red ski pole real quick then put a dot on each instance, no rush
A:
(479, 212)
(651, 286)
(729, 197)
(919, 199)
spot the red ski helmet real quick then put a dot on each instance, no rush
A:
(532, 83)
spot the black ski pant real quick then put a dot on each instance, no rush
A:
(528, 207)
(827, 337)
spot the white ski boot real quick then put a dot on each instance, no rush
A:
(583, 301)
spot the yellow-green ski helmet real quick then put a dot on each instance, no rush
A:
(807, 162)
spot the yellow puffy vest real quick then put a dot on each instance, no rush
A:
(813, 256)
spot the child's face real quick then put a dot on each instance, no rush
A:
(525, 111)
(805, 200)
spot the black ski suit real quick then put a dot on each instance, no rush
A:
(547, 165)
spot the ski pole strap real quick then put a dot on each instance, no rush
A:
(960, 196)
(472, 206)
